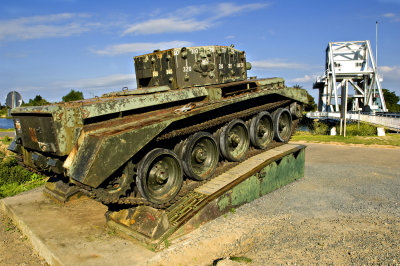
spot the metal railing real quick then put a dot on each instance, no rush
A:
(388, 120)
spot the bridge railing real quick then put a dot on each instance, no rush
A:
(387, 120)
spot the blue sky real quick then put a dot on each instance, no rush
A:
(49, 47)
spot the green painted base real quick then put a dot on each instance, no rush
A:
(273, 176)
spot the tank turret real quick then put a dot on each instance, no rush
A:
(190, 66)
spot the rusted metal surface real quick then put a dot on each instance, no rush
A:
(190, 66)
(122, 138)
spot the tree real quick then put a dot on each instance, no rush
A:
(311, 105)
(37, 101)
(391, 100)
(73, 96)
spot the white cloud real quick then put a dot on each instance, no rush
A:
(183, 20)
(139, 47)
(390, 72)
(49, 26)
(154, 26)
(392, 17)
(389, 15)
(229, 9)
(277, 64)
(305, 79)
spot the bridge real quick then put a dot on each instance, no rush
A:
(389, 121)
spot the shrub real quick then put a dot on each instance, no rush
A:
(10, 172)
(15, 179)
(362, 130)
(306, 122)
(319, 128)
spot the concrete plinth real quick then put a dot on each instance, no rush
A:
(71, 234)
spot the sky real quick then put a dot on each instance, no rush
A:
(49, 47)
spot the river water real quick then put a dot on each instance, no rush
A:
(6, 123)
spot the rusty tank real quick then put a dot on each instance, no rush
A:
(194, 109)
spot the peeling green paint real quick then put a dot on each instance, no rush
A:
(246, 191)
(273, 176)
(108, 152)
(224, 201)
(268, 178)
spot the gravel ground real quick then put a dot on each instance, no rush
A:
(14, 247)
(344, 211)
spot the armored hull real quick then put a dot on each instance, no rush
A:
(193, 110)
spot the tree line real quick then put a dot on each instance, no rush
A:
(39, 100)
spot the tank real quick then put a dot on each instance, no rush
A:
(194, 109)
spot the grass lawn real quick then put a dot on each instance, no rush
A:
(392, 139)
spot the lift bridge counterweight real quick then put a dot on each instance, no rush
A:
(350, 63)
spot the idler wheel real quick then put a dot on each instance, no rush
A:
(282, 124)
(234, 140)
(261, 130)
(296, 110)
(159, 176)
(199, 154)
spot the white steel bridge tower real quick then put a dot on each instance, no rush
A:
(350, 63)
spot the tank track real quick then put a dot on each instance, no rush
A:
(221, 120)
(189, 185)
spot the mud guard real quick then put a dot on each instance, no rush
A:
(99, 154)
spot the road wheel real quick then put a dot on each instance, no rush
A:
(282, 125)
(159, 176)
(234, 140)
(199, 154)
(261, 130)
